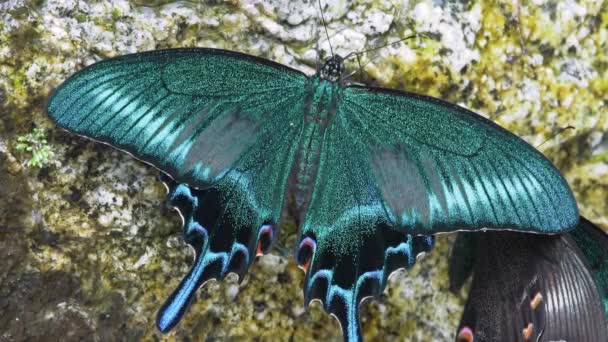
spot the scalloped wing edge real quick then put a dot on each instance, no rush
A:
(343, 303)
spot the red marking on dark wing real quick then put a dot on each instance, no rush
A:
(311, 245)
(465, 335)
(528, 331)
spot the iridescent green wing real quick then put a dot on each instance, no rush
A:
(348, 246)
(218, 121)
(395, 167)
(440, 167)
(190, 112)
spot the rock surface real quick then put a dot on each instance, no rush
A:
(89, 250)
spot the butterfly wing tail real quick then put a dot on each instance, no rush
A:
(176, 305)
(221, 245)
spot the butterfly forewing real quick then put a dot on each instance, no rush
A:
(193, 113)
(440, 167)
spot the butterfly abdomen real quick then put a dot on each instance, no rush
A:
(319, 108)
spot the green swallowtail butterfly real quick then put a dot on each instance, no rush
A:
(372, 173)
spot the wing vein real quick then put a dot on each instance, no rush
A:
(102, 101)
(506, 190)
(523, 165)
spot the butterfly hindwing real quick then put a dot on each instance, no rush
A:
(593, 243)
(529, 287)
(220, 123)
(462, 259)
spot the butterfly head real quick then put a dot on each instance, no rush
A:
(332, 69)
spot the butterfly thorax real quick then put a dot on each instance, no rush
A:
(332, 69)
(319, 109)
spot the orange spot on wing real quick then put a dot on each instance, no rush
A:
(535, 302)
(465, 335)
(310, 243)
(527, 332)
(265, 233)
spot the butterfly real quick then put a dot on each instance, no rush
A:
(531, 287)
(372, 173)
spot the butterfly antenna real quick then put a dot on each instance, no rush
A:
(359, 53)
(395, 44)
(561, 130)
(325, 27)
(360, 67)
